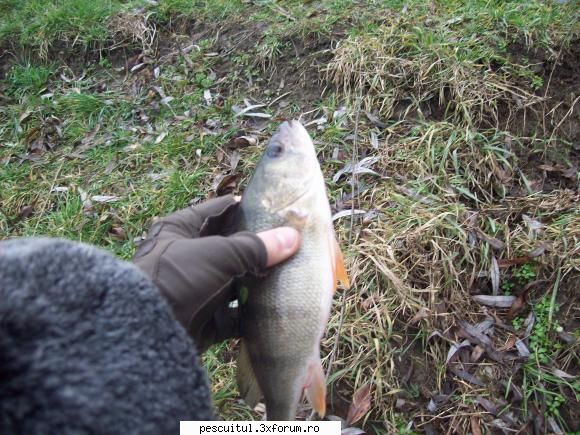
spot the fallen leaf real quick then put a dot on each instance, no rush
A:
(503, 263)
(117, 232)
(536, 252)
(532, 224)
(24, 116)
(522, 349)
(345, 213)
(25, 212)
(224, 184)
(493, 242)
(465, 375)
(455, 347)
(238, 111)
(207, 97)
(476, 353)
(161, 137)
(487, 404)
(104, 198)
(436, 401)
(352, 431)
(234, 160)
(495, 301)
(360, 405)
(475, 426)
(242, 142)
(374, 139)
(375, 120)
(517, 306)
(510, 343)
(562, 374)
(494, 274)
(361, 167)
(423, 313)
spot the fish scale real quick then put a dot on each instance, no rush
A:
(285, 313)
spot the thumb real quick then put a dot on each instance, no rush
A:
(281, 243)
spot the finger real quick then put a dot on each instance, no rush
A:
(281, 243)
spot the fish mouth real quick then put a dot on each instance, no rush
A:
(295, 133)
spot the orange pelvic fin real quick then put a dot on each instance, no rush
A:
(338, 269)
(316, 387)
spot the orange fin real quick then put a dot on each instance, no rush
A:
(316, 388)
(339, 269)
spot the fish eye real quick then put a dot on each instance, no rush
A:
(274, 150)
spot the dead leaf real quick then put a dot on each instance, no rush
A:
(374, 139)
(536, 252)
(495, 301)
(570, 172)
(368, 302)
(475, 426)
(207, 97)
(518, 306)
(423, 313)
(24, 116)
(161, 137)
(224, 184)
(487, 404)
(345, 213)
(562, 374)
(507, 262)
(476, 353)
(105, 199)
(465, 375)
(455, 347)
(532, 224)
(352, 431)
(117, 232)
(361, 403)
(375, 120)
(361, 167)
(234, 160)
(510, 343)
(25, 212)
(522, 349)
(493, 242)
(566, 337)
(242, 142)
(494, 274)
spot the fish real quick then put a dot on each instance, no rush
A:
(284, 313)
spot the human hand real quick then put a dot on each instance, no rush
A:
(194, 255)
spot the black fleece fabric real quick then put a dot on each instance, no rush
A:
(88, 345)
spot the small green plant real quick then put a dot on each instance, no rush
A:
(517, 323)
(507, 287)
(524, 274)
(541, 344)
(553, 403)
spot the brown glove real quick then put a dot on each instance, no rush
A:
(193, 256)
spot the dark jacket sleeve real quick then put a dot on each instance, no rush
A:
(88, 345)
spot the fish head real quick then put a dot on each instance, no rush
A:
(288, 167)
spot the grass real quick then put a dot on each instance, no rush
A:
(442, 96)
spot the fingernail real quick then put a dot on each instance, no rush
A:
(288, 237)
